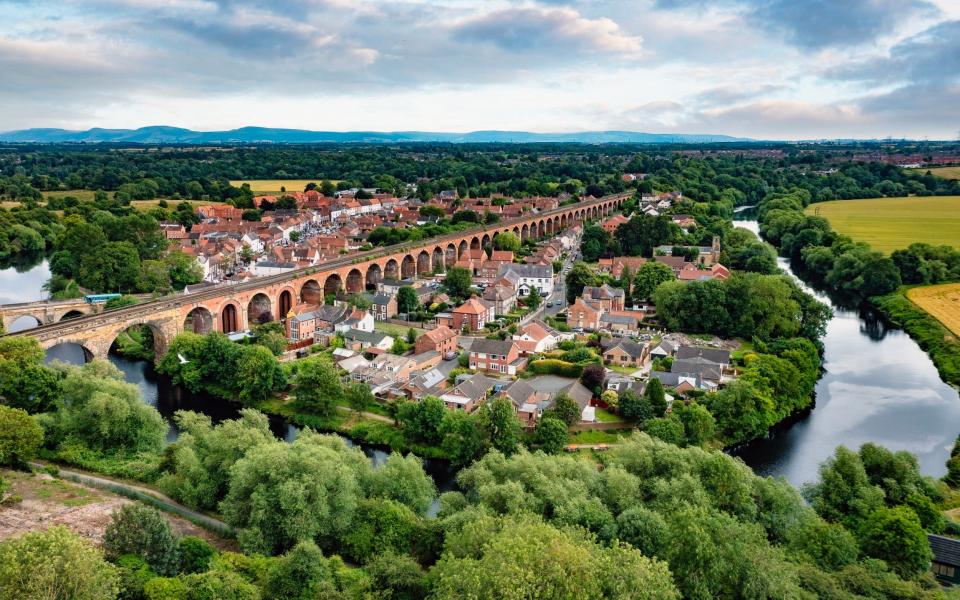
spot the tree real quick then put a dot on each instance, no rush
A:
(506, 240)
(533, 300)
(458, 282)
(407, 300)
(402, 478)
(143, 531)
(183, 270)
(611, 399)
(580, 276)
(113, 267)
(25, 382)
(302, 573)
(195, 554)
(643, 529)
(551, 435)
(566, 409)
(499, 421)
(896, 536)
(465, 216)
(104, 412)
(397, 576)
(359, 397)
(463, 437)
(317, 387)
(656, 397)
(649, 277)
(592, 377)
(429, 211)
(634, 407)
(844, 493)
(20, 436)
(282, 493)
(411, 336)
(698, 424)
(668, 429)
(57, 565)
(258, 374)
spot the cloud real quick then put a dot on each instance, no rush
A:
(539, 29)
(930, 56)
(819, 24)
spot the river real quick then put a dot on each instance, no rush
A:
(878, 386)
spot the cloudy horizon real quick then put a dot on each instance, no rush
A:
(765, 69)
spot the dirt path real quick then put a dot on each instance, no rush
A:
(145, 494)
(368, 415)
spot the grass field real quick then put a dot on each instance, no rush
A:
(78, 194)
(274, 185)
(941, 301)
(889, 224)
(946, 172)
(148, 204)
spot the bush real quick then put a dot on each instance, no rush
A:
(555, 367)
(142, 531)
(20, 436)
(195, 555)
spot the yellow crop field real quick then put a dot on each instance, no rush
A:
(946, 172)
(274, 185)
(941, 301)
(888, 224)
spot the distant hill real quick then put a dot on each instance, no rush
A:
(160, 134)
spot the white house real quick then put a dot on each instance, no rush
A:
(529, 277)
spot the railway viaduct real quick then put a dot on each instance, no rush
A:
(232, 307)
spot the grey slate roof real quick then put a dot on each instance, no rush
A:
(701, 366)
(633, 349)
(721, 357)
(498, 347)
(476, 387)
(366, 337)
(945, 550)
(529, 271)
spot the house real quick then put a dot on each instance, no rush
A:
(714, 355)
(499, 356)
(301, 323)
(621, 321)
(469, 393)
(611, 224)
(584, 315)
(610, 298)
(328, 315)
(441, 340)
(351, 364)
(616, 265)
(621, 384)
(361, 340)
(704, 369)
(540, 336)
(946, 558)
(682, 382)
(360, 320)
(664, 349)
(530, 403)
(472, 315)
(716, 271)
(426, 383)
(384, 306)
(530, 277)
(503, 297)
(625, 353)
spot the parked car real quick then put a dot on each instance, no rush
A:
(450, 355)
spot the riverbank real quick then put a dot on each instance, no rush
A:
(937, 341)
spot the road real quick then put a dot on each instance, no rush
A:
(559, 295)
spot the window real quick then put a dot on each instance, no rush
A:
(942, 569)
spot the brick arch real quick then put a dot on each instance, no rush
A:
(450, 257)
(160, 340)
(332, 285)
(541, 228)
(423, 263)
(230, 317)
(408, 268)
(391, 269)
(475, 243)
(89, 350)
(354, 281)
(462, 248)
(437, 258)
(285, 301)
(516, 232)
(311, 292)
(485, 240)
(524, 233)
(260, 308)
(374, 276)
(199, 319)
(71, 314)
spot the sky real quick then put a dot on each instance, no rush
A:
(766, 69)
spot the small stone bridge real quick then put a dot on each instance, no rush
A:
(232, 307)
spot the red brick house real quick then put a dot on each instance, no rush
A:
(441, 340)
(472, 314)
(584, 315)
(498, 356)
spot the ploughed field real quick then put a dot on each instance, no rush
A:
(941, 301)
(889, 224)
(273, 185)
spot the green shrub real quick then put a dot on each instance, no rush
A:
(555, 367)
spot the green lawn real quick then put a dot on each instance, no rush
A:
(605, 416)
(395, 330)
(889, 224)
(595, 437)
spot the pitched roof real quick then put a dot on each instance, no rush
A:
(632, 349)
(945, 550)
(440, 334)
(476, 387)
(485, 346)
(526, 270)
(473, 306)
(715, 355)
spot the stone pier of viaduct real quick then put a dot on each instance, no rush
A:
(233, 307)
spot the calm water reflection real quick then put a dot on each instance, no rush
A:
(878, 386)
